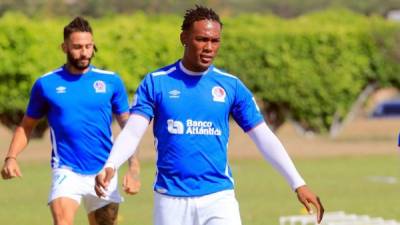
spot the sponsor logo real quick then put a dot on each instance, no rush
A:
(193, 127)
(99, 86)
(218, 94)
(174, 93)
(61, 90)
(175, 127)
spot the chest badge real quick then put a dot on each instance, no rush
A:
(99, 86)
(218, 94)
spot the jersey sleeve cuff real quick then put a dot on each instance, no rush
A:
(143, 114)
(298, 183)
(252, 125)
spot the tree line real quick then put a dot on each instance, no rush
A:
(310, 69)
(100, 8)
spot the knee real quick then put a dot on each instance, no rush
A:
(60, 218)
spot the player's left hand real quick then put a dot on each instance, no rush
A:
(307, 197)
(131, 183)
(102, 181)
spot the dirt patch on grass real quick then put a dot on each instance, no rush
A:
(360, 137)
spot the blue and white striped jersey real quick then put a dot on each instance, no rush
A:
(191, 126)
(79, 111)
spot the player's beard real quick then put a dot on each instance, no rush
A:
(79, 63)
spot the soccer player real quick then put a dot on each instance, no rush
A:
(78, 100)
(190, 102)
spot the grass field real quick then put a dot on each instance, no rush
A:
(359, 172)
(363, 185)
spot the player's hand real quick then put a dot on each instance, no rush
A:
(10, 169)
(131, 183)
(307, 197)
(103, 180)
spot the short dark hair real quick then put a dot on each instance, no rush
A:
(199, 13)
(78, 24)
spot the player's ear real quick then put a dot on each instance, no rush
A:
(64, 47)
(184, 37)
(94, 50)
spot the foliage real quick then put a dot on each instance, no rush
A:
(100, 8)
(309, 68)
(313, 67)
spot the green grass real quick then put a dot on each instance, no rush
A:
(347, 183)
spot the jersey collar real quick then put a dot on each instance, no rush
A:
(192, 73)
(64, 68)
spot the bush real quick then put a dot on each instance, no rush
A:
(314, 67)
(309, 69)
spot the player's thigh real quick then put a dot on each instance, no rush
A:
(106, 215)
(170, 210)
(66, 184)
(220, 208)
(63, 210)
(112, 197)
(103, 211)
(64, 197)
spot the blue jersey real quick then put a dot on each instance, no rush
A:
(79, 111)
(191, 126)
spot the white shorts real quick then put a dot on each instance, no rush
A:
(66, 183)
(219, 208)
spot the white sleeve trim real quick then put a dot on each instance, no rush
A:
(274, 152)
(127, 141)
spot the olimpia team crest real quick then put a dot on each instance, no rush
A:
(99, 86)
(218, 94)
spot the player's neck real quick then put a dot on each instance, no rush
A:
(188, 71)
(75, 71)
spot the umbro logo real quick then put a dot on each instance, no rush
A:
(61, 90)
(174, 93)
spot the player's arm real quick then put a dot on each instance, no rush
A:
(131, 182)
(19, 141)
(124, 147)
(274, 152)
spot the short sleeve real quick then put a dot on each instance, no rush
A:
(244, 109)
(143, 102)
(119, 99)
(37, 106)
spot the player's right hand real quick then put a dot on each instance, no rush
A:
(103, 180)
(10, 169)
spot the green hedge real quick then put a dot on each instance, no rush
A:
(313, 67)
(309, 68)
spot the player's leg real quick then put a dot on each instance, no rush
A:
(103, 211)
(64, 196)
(106, 215)
(220, 208)
(170, 210)
(63, 210)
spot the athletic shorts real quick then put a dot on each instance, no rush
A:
(68, 184)
(220, 208)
